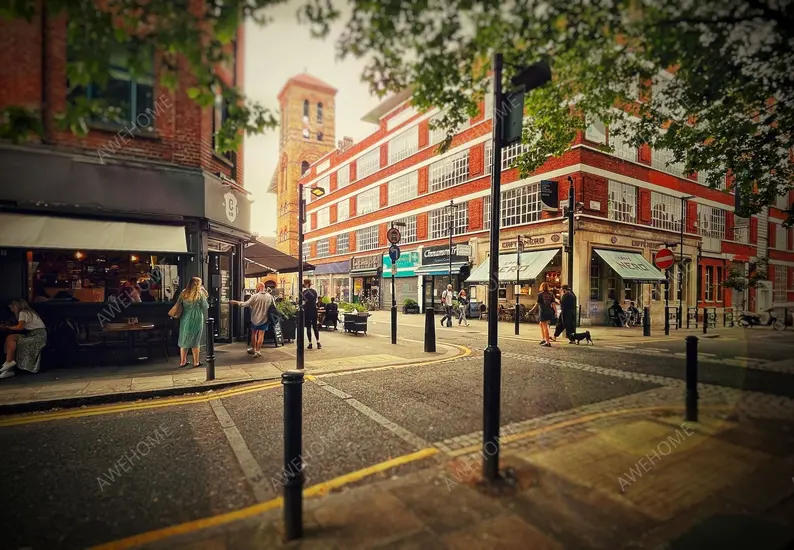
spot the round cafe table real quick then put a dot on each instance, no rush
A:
(131, 329)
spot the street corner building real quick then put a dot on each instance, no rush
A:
(146, 196)
(630, 203)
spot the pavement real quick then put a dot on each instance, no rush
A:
(78, 386)
(399, 442)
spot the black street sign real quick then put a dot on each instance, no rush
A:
(549, 197)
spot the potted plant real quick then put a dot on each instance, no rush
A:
(289, 325)
(410, 306)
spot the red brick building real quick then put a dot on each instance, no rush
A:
(145, 191)
(632, 204)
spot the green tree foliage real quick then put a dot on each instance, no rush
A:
(726, 106)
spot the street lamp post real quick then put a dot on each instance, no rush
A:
(684, 200)
(393, 295)
(519, 249)
(452, 211)
(299, 352)
(530, 78)
(571, 211)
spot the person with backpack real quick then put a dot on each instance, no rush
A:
(546, 307)
(446, 301)
(463, 302)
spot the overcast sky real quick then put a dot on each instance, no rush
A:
(273, 54)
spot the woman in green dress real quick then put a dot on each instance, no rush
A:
(191, 323)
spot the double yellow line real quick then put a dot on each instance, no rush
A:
(34, 418)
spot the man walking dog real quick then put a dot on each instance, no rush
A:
(567, 319)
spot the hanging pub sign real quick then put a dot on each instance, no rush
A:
(549, 198)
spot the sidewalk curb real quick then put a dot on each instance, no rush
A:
(110, 398)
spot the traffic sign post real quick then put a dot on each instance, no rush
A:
(394, 255)
(664, 260)
(393, 235)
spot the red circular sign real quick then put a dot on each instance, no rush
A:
(664, 258)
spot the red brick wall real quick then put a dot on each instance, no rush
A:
(384, 154)
(753, 230)
(423, 180)
(421, 226)
(729, 226)
(384, 195)
(382, 229)
(691, 216)
(477, 160)
(644, 206)
(332, 213)
(313, 220)
(772, 233)
(334, 182)
(595, 188)
(476, 214)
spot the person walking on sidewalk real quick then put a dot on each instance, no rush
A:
(566, 319)
(260, 303)
(191, 323)
(546, 306)
(446, 301)
(463, 302)
(310, 313)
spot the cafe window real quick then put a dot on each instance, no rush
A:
(629, 291)
(718, 284)
(79, 276)
(595, 279)
(612, 284)
(709, 282)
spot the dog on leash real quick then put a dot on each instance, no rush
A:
(579, 336)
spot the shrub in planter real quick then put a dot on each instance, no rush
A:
(410, 306)
(289, 325)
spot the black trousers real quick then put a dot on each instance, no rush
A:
(565, 322)
(311, 322)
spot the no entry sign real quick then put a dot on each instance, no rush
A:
(664, 258)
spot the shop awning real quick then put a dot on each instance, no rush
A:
(631, 266)
(439, 269)
(261, 259)
(369, 272)
(333, 268)
(24, 231)
(532, 263)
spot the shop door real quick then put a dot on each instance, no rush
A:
(220, 292)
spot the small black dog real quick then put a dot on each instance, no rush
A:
(578, 337)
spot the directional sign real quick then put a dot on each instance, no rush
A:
(394, 253)
(664, 258)
(393, 235)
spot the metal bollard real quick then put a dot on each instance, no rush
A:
(430, 330)
(667, 321)
(692, 378)
(292, 380)
(579, 324)
(646, 321)
(210, 359)
(705, 320)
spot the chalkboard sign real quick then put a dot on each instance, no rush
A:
(277, 335)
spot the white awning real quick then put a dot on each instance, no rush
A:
(532, 263)
(25, 231)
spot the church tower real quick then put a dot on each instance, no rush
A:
(308, 126)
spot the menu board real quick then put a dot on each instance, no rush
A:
(223, 306)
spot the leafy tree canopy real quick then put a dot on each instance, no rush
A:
(726, 106)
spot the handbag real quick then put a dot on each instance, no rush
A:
(176, 311)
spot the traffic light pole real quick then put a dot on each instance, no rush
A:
(571, 208)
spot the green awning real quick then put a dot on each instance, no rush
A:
(532, 263)
(439, 270)
(631, 266)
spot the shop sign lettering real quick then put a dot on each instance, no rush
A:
(435, 255)
(529, 241)
(646, 244)
(367, 262)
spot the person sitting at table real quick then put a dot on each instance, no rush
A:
(130, 288)
(191, 323)
(23, 349)
(331, 313)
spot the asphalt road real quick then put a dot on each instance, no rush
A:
(67, 483)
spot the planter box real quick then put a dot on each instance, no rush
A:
(356, 323)
(411, 309)
(288, 328)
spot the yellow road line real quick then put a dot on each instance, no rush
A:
(465, 353)
(34, 418)
(575, 421)
(250, 511)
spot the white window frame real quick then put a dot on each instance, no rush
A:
(323, 217)
(306, 250)
(407, 233)
(449, 172)
(780, 288)
(322, 248)
(343, 210)
(438, 221)
(660, 159)
(709, 295)
(403, 188)
(620, 145)
(486, 212)
(343, 176)
(703, 176)
(781, 237)
(665, 211)
(367, 238)
(487, 154)
(436, 134)
(368, 201)
(511, 153)
(343, 238)
(520, 206)
(368, 164)
(711, 227)
(622, 203)
(404, 145)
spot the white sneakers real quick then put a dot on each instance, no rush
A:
(7, 370)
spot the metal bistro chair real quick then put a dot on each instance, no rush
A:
(74, 343)
(483, 311)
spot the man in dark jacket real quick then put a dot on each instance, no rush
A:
(567, 319)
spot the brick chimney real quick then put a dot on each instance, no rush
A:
(344, 144)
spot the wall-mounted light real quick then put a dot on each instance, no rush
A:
(79, 255)
(133, 258)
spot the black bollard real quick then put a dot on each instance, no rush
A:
(292, 380)
(667, 321)
(646, 321)
(430, 330)
(579, 324)
(705, 320)
(210, 359)
(692, 378)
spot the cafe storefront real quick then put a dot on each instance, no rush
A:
(436, 269)
(405, 281)
(332, 280)
(365, 279)
(106, 228)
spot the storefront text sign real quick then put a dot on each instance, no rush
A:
(366, 262)
(639, 243)
(439, 255)
(627, 262)
(527, 241)
(406, 264)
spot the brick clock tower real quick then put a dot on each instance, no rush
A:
(307, 133)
